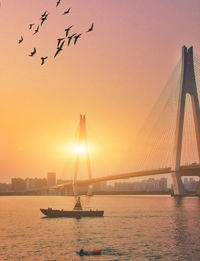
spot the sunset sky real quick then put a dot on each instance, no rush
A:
(113, 75)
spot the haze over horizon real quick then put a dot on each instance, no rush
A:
(113, 75)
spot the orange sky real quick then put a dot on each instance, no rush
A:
(113, 75)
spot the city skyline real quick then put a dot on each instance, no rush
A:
(40, 107)
(40, 185)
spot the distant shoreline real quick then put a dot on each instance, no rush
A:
(100, 193)
(26, 193)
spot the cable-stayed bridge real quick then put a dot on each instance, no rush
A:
(169, 141)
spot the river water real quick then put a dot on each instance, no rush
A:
(133, 228)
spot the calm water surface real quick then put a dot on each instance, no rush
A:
(133, 228)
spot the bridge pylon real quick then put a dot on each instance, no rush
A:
(187, 86)
(82, 146)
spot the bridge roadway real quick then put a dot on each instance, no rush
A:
(186, 170)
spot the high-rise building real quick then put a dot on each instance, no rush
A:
(190, 184)
(32, 183)
(40, 182)
(149, 185)
(51, 178)
(18, 184)
(62, 181)
(185, 181)
(4, 187)
(163, 184)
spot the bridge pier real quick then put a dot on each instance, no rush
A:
(75, 190)
(90, 189)
(178, 184)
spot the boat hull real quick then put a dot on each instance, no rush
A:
(53, 213)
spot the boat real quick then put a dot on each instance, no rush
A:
(77, 212)
(94, 252)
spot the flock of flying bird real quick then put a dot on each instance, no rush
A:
(60, 41)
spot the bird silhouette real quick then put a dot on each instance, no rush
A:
(44, 18)
(67, 12)
(67, 30)
(30, 26)
(59, 40)
(70, 38)
(91, 28)
(57, 4)
(43, 60)
(76, 38)
(21, 40)
(44, 14)
(33, 52)
(36, 30)
(59, 49)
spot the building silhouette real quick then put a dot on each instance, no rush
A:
(150, 185)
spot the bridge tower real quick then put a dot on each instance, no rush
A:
(187, 86)
(82, 146)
